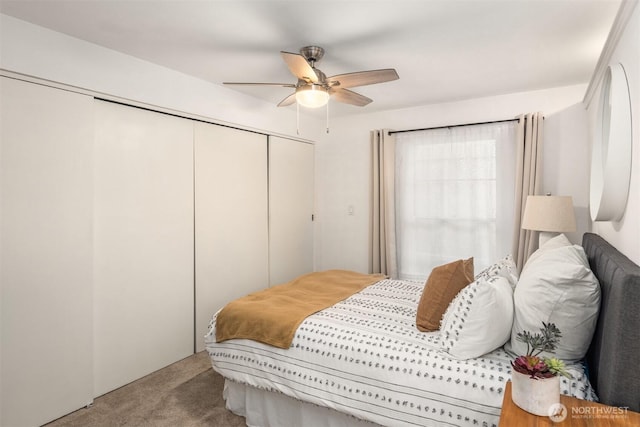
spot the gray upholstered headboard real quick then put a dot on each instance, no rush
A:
(614, 353)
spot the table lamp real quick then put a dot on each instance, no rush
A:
(550, 215)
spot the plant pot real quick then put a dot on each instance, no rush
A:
(534, 395)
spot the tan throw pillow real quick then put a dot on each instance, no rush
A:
(442, 286)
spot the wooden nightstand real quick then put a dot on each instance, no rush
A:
(580, 413)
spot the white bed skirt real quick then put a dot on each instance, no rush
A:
(263, 408)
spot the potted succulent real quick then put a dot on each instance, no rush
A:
(535, 380)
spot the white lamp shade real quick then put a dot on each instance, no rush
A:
(312, 96)
(549, 213)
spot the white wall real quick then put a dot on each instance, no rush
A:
(38, 52)
(566, 162)
(34, 51)
(342, 162)
(342, 156)
(625, 234)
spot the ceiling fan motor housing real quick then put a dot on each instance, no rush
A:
(312, 53)
(322, 80)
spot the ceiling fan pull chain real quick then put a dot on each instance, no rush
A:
(327, 117)
(297, 119)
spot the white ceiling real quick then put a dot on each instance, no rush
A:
(443, 50)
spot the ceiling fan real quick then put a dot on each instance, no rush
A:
(314, 88)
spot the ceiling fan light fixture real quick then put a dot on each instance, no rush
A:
(312, 96)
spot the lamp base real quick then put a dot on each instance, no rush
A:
(545, 236)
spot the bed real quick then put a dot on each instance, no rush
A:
(362, 362)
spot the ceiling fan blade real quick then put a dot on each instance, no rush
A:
(291, 99)
(363, 78)
(299, 67)
(259, 84)
(349, 97)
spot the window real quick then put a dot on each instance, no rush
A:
(454, 196)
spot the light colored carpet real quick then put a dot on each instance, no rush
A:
(187, 393)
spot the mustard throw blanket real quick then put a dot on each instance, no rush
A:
(273, 315)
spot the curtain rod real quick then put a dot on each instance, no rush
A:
(453, 126)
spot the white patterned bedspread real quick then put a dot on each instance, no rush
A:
(364, 356)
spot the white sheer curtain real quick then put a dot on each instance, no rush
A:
(454, 196)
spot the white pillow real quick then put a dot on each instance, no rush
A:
(557, 286)
(556, 242)
(506, 268)
(479, 318)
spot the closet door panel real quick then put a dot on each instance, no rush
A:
(45, 252)
(290, 209)
(231, 218)
(143, 265)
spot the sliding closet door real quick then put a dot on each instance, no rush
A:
(143, 265)
(231, 218)
(46, 247)
(290, 209)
